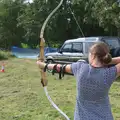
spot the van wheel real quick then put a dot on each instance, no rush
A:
(49, 61)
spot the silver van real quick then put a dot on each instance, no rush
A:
(77, 49)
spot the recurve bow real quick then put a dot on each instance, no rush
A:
(41, 58)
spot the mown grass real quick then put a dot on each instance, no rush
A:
(22, 96)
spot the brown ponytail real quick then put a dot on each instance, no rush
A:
(107, 58)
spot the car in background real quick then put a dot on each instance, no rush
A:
(77, 49)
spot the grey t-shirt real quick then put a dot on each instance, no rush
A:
(93, 84)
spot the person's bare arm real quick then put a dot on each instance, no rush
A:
(118, 69)
(50, 66)
(115, 60)
(68, 69)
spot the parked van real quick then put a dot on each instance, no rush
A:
(78, 49)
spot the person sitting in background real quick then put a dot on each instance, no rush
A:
(94, 80)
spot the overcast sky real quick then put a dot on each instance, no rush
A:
(29, 1)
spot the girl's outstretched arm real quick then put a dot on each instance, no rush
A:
(58, 66)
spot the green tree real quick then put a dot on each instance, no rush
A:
(61, 26)
(107, 12)
(10, 33)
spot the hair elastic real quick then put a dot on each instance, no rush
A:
(54, 69)
(63, 69)
(60, 73)
(46, 66)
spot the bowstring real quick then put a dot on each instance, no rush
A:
(73, 14)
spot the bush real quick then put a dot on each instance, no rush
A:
(5, 55)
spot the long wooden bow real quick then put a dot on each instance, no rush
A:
(41, 58)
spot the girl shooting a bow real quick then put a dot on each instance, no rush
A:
(94, 80)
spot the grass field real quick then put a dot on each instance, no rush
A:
(22, 96)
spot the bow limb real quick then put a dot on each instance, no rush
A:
(42, 43)
(48, 18)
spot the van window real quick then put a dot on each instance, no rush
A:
(67, 48)
(77, 47)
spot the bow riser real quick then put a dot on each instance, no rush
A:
(43, 74)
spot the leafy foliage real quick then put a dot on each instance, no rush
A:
(108, 14)
(20, 22)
